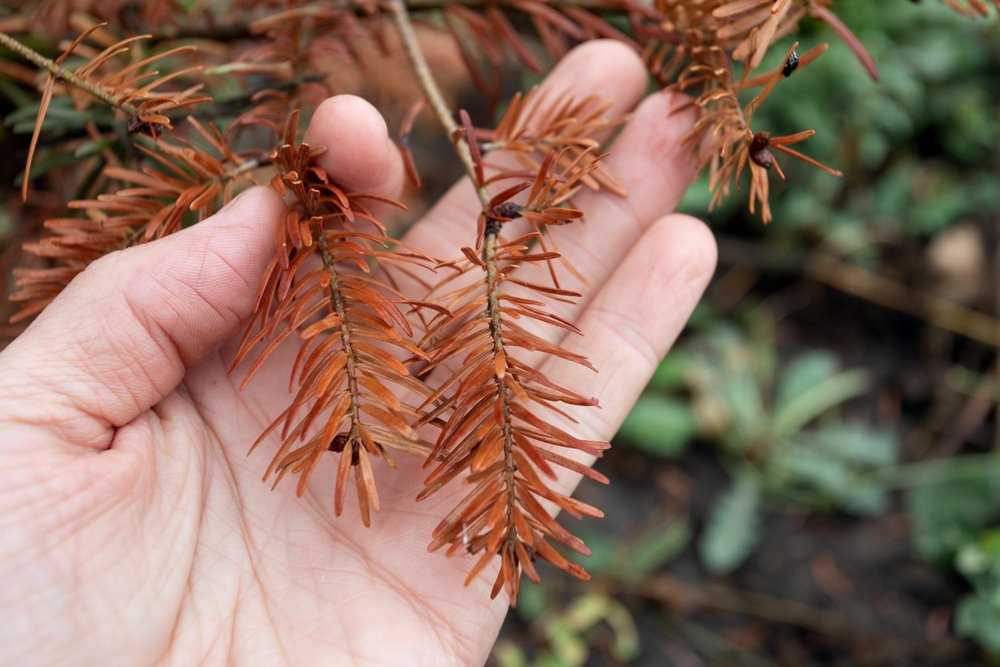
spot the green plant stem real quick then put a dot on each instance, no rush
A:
(67, 75)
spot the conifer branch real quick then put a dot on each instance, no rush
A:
(494, 315)
(350, 365)
(460, 140)
(67, 75)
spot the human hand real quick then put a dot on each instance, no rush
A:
(135, 528)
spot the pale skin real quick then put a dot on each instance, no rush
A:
(134, 528)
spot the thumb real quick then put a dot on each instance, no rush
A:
(121, 335)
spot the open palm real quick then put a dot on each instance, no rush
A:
(134, 527)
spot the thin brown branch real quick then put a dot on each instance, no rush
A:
(460, 141)
(884, 291)
(433, 93)
(676, 593)
(242, 29)
(607, 5)
(247, 166)
(848, 37)
(67, 75)
(345, 338)
(494, 314)
(942, 313)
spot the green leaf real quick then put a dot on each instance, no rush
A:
(979, 561)
(833, 480)
(842, 462)
(672, 371)
(92, 147)
(657, 547)
(950, 514)
(745, 407)
(855, 443)
(6, 223)
(532, 600)
(508, 654)
(603, 550)
(566, 632)
(804, 372)
(60, 117)
(733, 530)
(978, 618)
(14, 93)
(47, 160)
(813, 401)
(660, 426)
(625, 644)
(549, 660)
(568, 650)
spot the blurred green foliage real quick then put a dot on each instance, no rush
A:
(565, 634)
(956, 520)
(789, 425)
(775, 429)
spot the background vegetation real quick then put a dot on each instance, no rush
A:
(811, 477)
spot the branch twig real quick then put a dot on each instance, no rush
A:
(433, 94)
(676, 593)
(67, 75)
(884, 291)
(491, 231)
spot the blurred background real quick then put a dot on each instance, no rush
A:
(812, 477)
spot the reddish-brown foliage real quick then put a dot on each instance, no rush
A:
(496, 410)
(127, 84)
(328, 285)
(182, 178)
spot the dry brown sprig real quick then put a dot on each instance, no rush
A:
(534, 128)
(544, 137)
(695, 48)
(494, 410)
(180, 179)
(299, 43)
(324, 285)
(486, 36)
(60, 17)
(691, 44)
(487, 405)
(123, 83)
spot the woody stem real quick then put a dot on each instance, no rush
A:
(432, 92)
(67, 75)
(345, 335)
(493, 314)
(492, 229)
